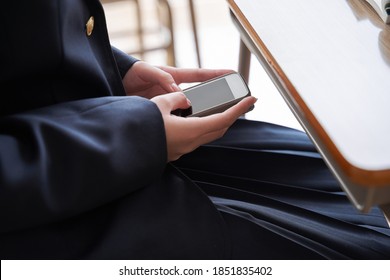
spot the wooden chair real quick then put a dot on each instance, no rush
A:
(164, 29)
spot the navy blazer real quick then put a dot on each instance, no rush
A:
(83, 169)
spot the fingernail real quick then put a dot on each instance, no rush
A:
(175, 87)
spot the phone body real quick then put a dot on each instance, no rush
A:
(215, 96)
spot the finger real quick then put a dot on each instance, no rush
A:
(162, 78)
(242, 107)
(226, 119)
(189, 75)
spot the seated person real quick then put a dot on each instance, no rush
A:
(93, 165)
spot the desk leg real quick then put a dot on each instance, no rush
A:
(386, 212)
(244, 62)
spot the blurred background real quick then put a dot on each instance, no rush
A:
(191, 33)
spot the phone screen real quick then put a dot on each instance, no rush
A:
(209, 95)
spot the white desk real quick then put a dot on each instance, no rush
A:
(330, 61)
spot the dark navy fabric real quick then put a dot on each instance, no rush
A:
(280, 200)
(84, 173)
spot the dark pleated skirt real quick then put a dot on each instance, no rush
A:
(279, 200)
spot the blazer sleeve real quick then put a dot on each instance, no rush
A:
(123, 60)
(66, 159)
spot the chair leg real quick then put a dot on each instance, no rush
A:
(195, 31)
(171, 48)
(171, 52)
(140, 33)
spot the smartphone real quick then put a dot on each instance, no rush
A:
(215, 96)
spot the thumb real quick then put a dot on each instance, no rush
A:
(171, 101)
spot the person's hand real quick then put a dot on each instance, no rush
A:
(148, 81)
(184, 135)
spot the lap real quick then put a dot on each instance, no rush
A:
(270, 184)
